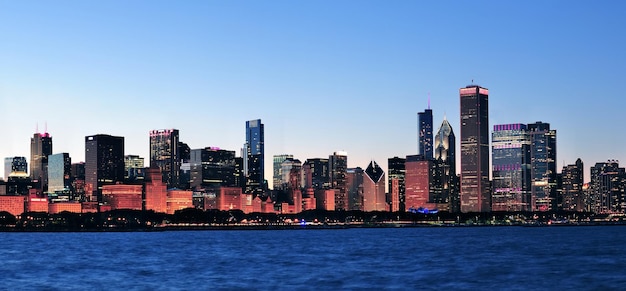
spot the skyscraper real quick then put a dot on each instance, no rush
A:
(59, 172)
(338, 164)
(374, 188)
(543, 166)
(354, 188)
(164, 153)
(445, 160)
(425, 133)
(475, 193)
(133, 167)
(607, 187)
(419, 182)
(572, 181)
(316, 173)
(40, 149)
(255, 157)
(511, 168)
(104, 162)
(14, 164)
(277, 180)
(396, 170)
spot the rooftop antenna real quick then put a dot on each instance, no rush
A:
(429, 100)
(45, 129)
(37, 127)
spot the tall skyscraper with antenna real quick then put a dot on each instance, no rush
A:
(40, 149)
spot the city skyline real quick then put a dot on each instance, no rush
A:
(140, 73)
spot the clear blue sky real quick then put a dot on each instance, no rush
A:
(322, 75)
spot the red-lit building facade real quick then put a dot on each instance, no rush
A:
(419, 182)
(178, 200)
(12, 204)
(374, 188)
(155, 191)
(122, 196)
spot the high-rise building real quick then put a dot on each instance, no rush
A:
(337, 166)
(155, 191)
(316, 173)
(255, 157)
(510, 168)
(104, 162)
(607, 187)
(133, 167)
(419, 182)
(374, 188)
(14, 164)
(218, 167)
(572, 180)
(164, 153)
(40, 149)
(475, 193)
(277, 180)
(59, 172)
(286, 179)
(445, 161)
(425, 133)
(396, 170)
(542, 166)
(354, 188)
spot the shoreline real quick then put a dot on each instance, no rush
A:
(269, 227)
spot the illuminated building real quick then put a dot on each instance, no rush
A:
(104, 163)
(59, 172)
(36, 203)
(155, 191)
(511, 168)
(164, 154)
(475, 192)
(14, 164)
(12, 204)
(425, 133)
(178, 200)
(354, 188)
(325, 199)
(419, 181)
(133, 167)
(74, 207)
(607, 187)
(40, 149)
(445, 162)
(374, 188)
(397, 173)
(542, 166)
(122, 196)
(338, 164)
(277, 180)
(229, 198)
(572, 187)
(254, 164)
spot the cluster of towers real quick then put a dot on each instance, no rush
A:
(516, 171)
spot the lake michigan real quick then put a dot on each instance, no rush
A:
(518, 258)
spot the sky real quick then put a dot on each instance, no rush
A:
(323, 76)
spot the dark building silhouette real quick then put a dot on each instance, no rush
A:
(425, 133)
(254, 159)
(316, 173)
(104, 162)
(40, 149)
(396, 170)
(337, 166)
(164, 154)
(543, 166)
(475, 191)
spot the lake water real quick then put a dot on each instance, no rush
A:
(390, 258)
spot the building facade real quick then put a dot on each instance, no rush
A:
(374, 198)
(59, 172)
(445, 161)
(164, 154)
(40, 149)
(277, 180)
(397, 173)
(14, 165)
(607, 187)
(511, 168)
(572, 180)
(475, 191)
(338, 164)
(425, 133)
(254, 164)
(543, 166)
(104, 163)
